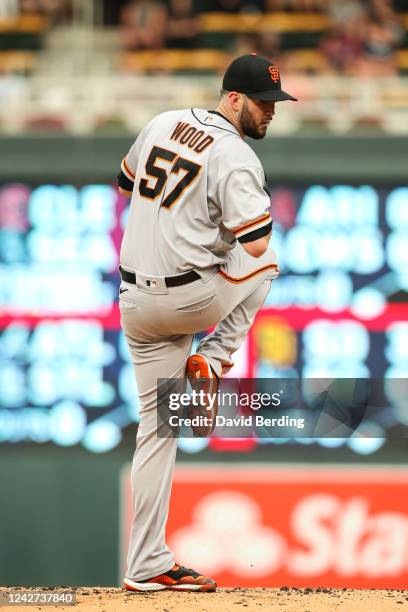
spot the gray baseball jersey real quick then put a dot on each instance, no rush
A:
(197, 190)
(197, 187)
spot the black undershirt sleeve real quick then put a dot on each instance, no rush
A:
(124, 182)
(256, 234)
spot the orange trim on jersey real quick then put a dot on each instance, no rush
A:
(237, 280)
(128, 169)
(252, 223)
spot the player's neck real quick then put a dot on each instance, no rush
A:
(228, 114)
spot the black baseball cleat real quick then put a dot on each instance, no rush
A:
(179, 578)
(203, 379)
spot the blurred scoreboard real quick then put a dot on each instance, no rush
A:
(339, 308)
(343, 253)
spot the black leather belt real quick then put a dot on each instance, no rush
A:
(171, 281)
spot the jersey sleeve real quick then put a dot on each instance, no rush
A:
(126, 176)
(245, 204)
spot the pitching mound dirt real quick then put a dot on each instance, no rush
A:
(101, 599)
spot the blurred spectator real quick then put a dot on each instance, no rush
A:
(363, 38)
(370, 53)
(245, 43)
(343, 46)
(383, 12)
(268, 43)
(182, 25)
(378, 57)
(143, 24)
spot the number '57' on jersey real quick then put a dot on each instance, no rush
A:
(154, 184)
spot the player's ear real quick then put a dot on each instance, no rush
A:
(236, 100)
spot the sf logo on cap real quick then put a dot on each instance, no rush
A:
(274, 72)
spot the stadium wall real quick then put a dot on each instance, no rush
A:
(362, 158)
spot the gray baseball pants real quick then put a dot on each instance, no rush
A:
(159, 324)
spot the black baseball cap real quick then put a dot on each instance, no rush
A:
(256, 77)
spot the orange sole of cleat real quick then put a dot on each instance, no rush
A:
(202, 379)
(199, 367)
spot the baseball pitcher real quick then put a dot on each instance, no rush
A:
(194, 255)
